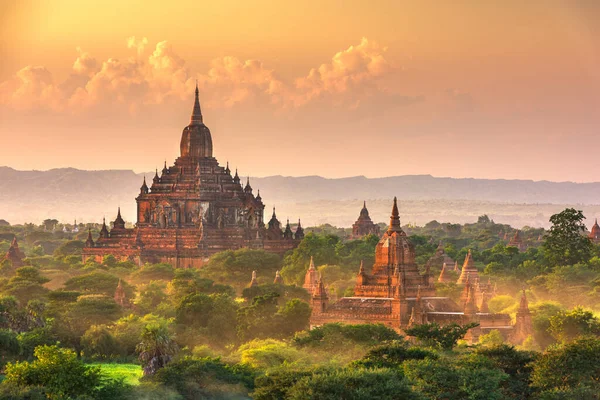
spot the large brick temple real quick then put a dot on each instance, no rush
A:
(398, 294)
(192, 210)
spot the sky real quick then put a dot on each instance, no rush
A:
(484, 89)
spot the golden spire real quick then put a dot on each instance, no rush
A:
(196, 113)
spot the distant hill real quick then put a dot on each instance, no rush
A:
(70, 193)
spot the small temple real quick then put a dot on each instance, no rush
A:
(517, 241)
(469, 270)
(192, 210)
(364, 225)
(440, 258)
(398, 294)
(14, 254)
(595, 232)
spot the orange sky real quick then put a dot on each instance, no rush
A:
(494, 89)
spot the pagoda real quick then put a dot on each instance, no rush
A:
(14, 254)
(364, 225)
(399, 295)
(193, 209)
(468, 270)
(595, 233)
(517, 241)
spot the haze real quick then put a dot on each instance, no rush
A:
(494, 89)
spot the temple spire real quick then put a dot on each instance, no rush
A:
(196, 113)
(395, 218)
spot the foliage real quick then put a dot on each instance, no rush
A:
(444, 337)
(157, 348)
(234, 267)
(567, 325)
(56, 370)
(353, 384)
(392, 355)
(336, 334)
(569, 366)
(565, 243)
(516, 364)
(467, 377)
(205, 378)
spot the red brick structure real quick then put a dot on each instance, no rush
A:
(595, 233)
(397, 294)
(468, 270)
(363, 225)
(517, 241)
(14, 254)
(193, 209)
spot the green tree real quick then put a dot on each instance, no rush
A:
(565, 243)
(234, 267)
(354, 384)
(392, 354)
(157, 348)
(569, 366)
(57, 370)
(566, 325)
(206, 378)
(444, 337)
(516, 364)
(470, 377)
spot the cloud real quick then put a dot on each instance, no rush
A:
(351, 76)
(138, 44)
(357, 66)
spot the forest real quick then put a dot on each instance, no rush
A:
(206, 334)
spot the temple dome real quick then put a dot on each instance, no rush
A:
(196, 140)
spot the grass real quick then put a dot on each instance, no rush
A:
(130, 373)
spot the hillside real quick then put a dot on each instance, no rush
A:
(70, 193)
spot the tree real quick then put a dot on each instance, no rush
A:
(392, 354)
(516, 364)
(9, 345)
(157, 348)
(569, 366)
(234, 267)
(444, 337)
(566, 325)
(357, 384)
(565, 243)
(206, 378)
(72, 247)
(469, 377)
(57, 370)
(294, 316)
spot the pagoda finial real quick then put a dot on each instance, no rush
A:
(274, 216)
(311, 266)
(395, 218)
(197, 112)
(361, 270)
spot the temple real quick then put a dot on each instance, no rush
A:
(363, 225)
(397, 294)
(440, 258)
(193, 209)
(14, 254)
(595, 232)
(517, 241)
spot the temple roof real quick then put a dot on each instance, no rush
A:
(196, 140)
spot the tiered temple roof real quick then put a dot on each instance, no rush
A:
(397, 294)
(468, 270)
(14, 254)
(364, 225)
(192, 210)
(595, 232)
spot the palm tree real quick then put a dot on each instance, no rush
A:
(157, 348)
